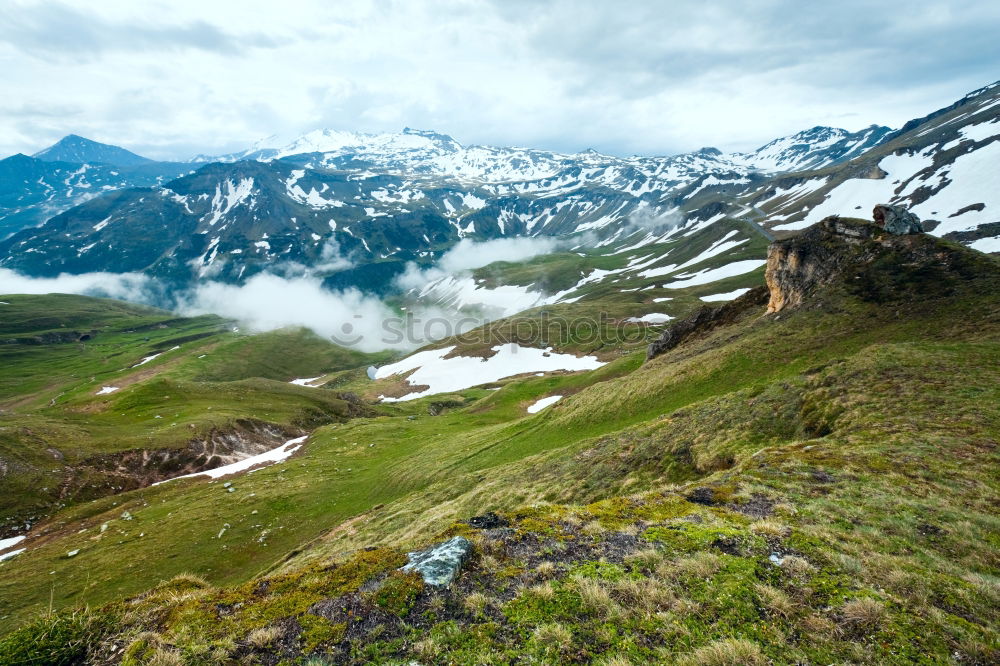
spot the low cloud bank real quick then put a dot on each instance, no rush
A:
(645, 218)
(291, 295)
(469, 255)
(266, 302)
(135, 287)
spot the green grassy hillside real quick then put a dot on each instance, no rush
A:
(63, 440)
(815, 486)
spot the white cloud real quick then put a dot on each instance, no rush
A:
(125, 286)
(468, 255)
(267, 302)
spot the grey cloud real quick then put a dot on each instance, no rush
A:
(55, 31)
(638, 49)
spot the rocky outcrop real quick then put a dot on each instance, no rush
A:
(896, 220)
(798, 265)
(704, 320)
(883, 262)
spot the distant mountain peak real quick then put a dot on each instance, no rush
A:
(78, 149)
(814, 148)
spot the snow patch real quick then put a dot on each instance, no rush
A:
(543, 403)
(651, 318)
(308, 381)
(431, 368)
(260, 460)
(714, 274)
(728, 296)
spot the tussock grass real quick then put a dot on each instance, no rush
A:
(725, 652)
(553, 637)
(264, 636)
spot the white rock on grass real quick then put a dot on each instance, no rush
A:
(438, 565)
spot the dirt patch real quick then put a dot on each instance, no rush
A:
(758, 506)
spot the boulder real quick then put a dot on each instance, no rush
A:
(439, 564)
(896, 220)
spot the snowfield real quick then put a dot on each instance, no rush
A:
(441, 375)
(715, 274)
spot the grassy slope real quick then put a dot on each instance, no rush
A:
(878, 486)
(51, 418)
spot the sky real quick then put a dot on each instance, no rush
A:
(173, 79)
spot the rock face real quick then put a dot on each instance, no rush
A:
(439, 564)
(883, 262)
(704, 320)
(896, 220)
(797, 266)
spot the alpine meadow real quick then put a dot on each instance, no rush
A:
(356, 394)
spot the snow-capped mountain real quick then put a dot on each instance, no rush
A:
(356, 208)
(944, 167)
(812, 149)
(68, 173)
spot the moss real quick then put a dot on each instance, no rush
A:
(687, 537)
(318, 631)
(398, 593)
(601, 571)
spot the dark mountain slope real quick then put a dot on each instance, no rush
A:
(33, 190)
(73, 148)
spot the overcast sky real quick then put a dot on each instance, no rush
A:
(170, 79)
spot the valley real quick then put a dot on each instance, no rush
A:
(709, 408)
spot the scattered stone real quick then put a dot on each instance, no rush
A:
(439, 564)
(777, 559)
(896, 220)
(104, 528)
(728, 545)
(126, 515)
(227, 484)
(230, 490)
(487, 521)
(73, 553)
